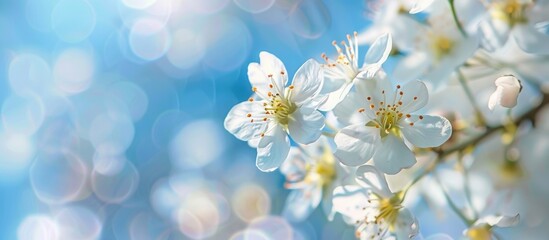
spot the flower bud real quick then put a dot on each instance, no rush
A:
(507, 91)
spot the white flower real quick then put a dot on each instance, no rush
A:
(518, 19)
(439, 49)
(506, 94)
(342, 73)
(391, 17)
(312, 173)
(482, 228)
(376, 212)
(278, 110)
(379, 115)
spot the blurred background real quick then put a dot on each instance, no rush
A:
(112, 116)
(112, 120)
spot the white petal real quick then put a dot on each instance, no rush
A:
(495, 98)
(336, 97)
(379, 52)
(414, 96)
(441, 70)
(420, 6)
(411, 67)
(530, 39)
(510, 88)
(374, 88)
(406, 225)
(257, 77)
(348, 200)
(269, 64)
(305, 125)
(392, 155)
(431, 131)
(327, 205)
(238, 123)
(301, 203)
(368, 176)
(495, 33)
(347, 110)
(294, 167)
(272, 150)
(499, 221)
(356, 144)
(307, 82)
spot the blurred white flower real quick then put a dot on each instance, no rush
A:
(507, 90)
(519, 19)
(384, 119)
(376, 212)
(278, 111)
(312, 174)
(439, 49)
(341, 74)
(482, 228)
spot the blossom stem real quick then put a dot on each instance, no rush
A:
(466, 186)
(428, 170)
(528, 116)
(469, 93)
(454, 14)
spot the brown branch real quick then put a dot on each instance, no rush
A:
(528, 116)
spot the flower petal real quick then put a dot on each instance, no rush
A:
(431, 131)
(368, 176)
(347, 199)
(272, 150)
(347, 112)
(307, 82)
(499, 221)
(392, 155)
(377, 54)
(442, 68)
(294, 167)
(495, 98)
(411, 67)
(305, 125)
(420, 6)
(238, 123)
(414, 96)
(335, 97)
(530, 39)
(356, 144)
(269, 65)
(495, 33)
(301, 203)
(406, 225)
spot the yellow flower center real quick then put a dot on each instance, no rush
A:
(388, 210)
(442, 46)
(511, 172)
(511, 11)
(389, 115)
(482, 232)
(281, 109)
(324, 169)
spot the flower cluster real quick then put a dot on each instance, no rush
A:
(341, 126)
